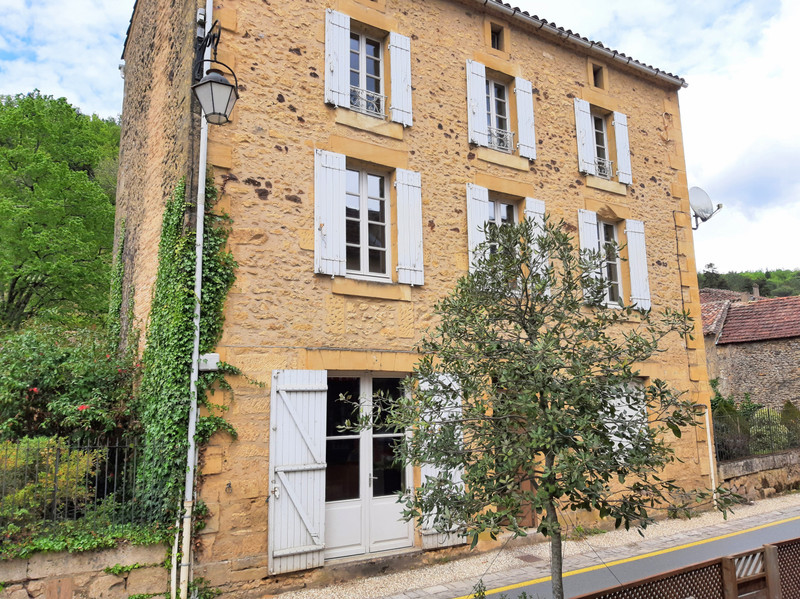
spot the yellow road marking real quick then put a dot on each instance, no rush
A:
(626, 560)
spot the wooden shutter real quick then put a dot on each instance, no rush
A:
(410, 269)
(477, 217)
(297, 470)
(623, 148)
(431, 539)
(527, 131)
(587, 229)
(585, 136)
(476, 103)
(637, 262)
(400, 53)
(534, 211)
(329, 212)
(337, 58)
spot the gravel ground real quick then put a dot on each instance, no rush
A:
(475, 566)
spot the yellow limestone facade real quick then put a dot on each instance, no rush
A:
(424, 168)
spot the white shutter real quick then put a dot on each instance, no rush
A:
(476, 103)
(587, 229)
(337, 58)
(534, 211)
(430, 538)
(329, 212)
(400, 52)
(623, 148)
(297, 470)
(585, 136)
(525, 125)
(477, 217)
(410, 268)
(637, 262)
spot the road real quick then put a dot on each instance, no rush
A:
(601, 577)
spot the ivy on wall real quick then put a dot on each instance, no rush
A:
(164, 393)
(115, 295)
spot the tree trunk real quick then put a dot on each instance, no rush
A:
(556, 557)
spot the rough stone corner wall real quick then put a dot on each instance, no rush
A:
(157, 146)
(768, 370)
(83, 575)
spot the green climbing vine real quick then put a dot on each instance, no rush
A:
(115, 295)
(164, 395)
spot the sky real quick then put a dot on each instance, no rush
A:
(741, 136)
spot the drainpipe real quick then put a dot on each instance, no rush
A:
(712, 467)
(191, 454)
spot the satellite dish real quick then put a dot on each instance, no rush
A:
(701, 205)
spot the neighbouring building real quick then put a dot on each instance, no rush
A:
(372, 141)
(753, 347)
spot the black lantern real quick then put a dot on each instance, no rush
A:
(215, 93)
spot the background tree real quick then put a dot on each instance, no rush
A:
(528, 400)
(771, 283)
(56, 207)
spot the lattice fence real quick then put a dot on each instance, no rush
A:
(789, 568)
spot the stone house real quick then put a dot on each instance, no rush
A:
(753, 347)
(371, 142)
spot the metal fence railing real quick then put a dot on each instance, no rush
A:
(766, 431)
(49, 480)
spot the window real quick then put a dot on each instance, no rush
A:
(501, 212)
(628, 417)
(497, 38)
(353, 232)
(500, 138)
(367, 223)
(598, 75)
(602, 162)
(607, 236)
(366, 75)
(489, 106)
(596, 154)
(355, 69)
(604, 236)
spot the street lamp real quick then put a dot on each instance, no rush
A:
(215, 93)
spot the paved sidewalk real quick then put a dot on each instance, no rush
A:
(499, 568)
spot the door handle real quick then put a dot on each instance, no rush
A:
(276, 491)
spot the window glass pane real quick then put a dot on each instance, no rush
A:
(339, 410)
(354, 66)
(373, 48)
(377, 236)
(500, 92)
(384, 393)
(352, 206)
(352, 181)
(373, 67)
(377, 210)
(375, 186)
(353, 258)
(373, 85)
(341, 475)
(353, 232)
(389, 476)
(354, 41)
(377, 261)
(506, 213)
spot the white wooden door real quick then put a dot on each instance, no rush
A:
(297, 470)
(361, 509)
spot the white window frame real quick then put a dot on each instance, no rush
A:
(495, 210)
(363, 243)
(611, 269)
(501, 139)
(360, 97)
(603, 163)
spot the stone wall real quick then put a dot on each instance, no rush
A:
(768, 370)
(762, 476)
(83, 575)
(157, 147)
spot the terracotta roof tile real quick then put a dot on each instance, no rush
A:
(713, 314)
(773, 318)
(708, 294)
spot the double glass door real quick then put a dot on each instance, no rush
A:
(362, 514)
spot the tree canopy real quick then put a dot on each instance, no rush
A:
(528, 400)
(771, 283)
(57, 183)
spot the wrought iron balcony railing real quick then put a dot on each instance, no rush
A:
(371, 103)
(502, 140)
(604, 167)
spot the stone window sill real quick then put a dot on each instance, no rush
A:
(356, 120)
(606, 185)
(509, 160)
(388, 291)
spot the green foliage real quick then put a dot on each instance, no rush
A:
(113, 322)
(767, 434)
(67, 382)
(56, 208)
(200, 589)
(790, 418)
(552, 415)
(119, 569)
(165, 391)
(775, 283)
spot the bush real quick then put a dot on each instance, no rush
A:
(63, 382)
(767, 434)
(790, 418)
